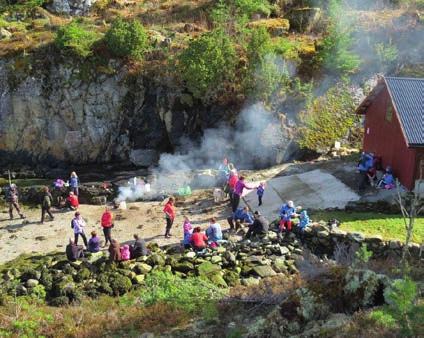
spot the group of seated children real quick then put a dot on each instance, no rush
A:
(371, 165)
(116, 252)
(198, 240)
(288, 213)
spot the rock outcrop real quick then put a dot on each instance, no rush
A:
(71, 7)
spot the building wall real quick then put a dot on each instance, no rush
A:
(385, 139)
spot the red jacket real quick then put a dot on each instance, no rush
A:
(232, 181)
(199, 239)
(107, 219)
(169, 210)
(73, 201)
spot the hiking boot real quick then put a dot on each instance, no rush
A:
(22, 216)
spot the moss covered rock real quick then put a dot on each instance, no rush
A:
(120, 284)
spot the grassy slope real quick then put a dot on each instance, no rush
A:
(388, 226)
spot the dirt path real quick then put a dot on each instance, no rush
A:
(143, 218)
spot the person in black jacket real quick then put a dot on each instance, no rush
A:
(259, 227)
(139, 248)
(46, 204)
(74, 251)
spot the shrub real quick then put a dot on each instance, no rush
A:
(77, 38)
(250, 7)
(329, 118)
(207, 63)
(127, 39)
(120, 284)
(386, 53)
(189, 293)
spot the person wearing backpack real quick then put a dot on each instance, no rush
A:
(78, 224)
(46, 205)
(107, 225)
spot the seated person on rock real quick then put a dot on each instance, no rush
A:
(241, 215)
(74, 251)
(187, 230)
(125, 252)
(114, 251)
(259, 227)
(388, 180)
(198, 239)
(94, 242)
(72, 201)
(303, 223)
(287, 213)
(214, 232)
(139, 248)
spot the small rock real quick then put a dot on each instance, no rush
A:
(30, 283)
(250, 281)
(40, 238)
(264, 271)
(139, 279)
(142, 268)
(190, 254)
(216, 259)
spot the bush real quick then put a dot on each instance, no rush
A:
(207, 63)
(77, 38)
(250, 7)
(127, 39)
(329, 118)
(119, 284)
(189, 293)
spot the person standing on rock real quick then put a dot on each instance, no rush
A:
(78, 225)
(238, 192)
(46, 205)
(169, 211)
(74, 183)
(13, 200)
(107, 225)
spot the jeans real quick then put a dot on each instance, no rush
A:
(260, 200)
(83, 238)
(75, 190)
(45, 210)
(169, 223)
(108, 234)
(235, 202)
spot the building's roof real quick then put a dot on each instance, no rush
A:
(407, 96)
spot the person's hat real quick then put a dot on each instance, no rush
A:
(77, 213)
(290, 204)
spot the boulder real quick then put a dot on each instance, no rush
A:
(279, 265)
(207, 268)
(183, 267)
(138, 279)
(304, 20)
(216, 259)
(190, 254)
(251, 281)
(275, 26)
(156, 259)
(142, 268)
(30, 283)
(264, 271)
(95, 256)
(144, 157)
(356, 236)
(71, 7)
(5, 34)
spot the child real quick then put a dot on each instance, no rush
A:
(303, 224)
(198, 239)
(125, 252)
(188, 230)
(260, 192)
(287, 212)
(388, 181)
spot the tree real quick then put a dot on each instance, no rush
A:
(411, 205)
(207, 63)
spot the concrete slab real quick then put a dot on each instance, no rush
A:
(315, 189)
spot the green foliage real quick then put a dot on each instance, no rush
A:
(363, 255)
(383, 318)
(386, 53)
(127, 39)
(76, 38)
(207, 63)
(250, 7)
(20, 6)
(335, 51)
(327, 119)
(189, 294)
(287, 48)
(38, 292)
(403, 309)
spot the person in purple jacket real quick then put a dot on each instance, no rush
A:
(238, 192)
(94, 242)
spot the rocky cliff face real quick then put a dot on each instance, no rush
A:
(55, 115)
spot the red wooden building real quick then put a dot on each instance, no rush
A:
(394, 126)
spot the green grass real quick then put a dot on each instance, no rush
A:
(388, 226)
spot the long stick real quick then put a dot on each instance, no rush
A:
(10, 179)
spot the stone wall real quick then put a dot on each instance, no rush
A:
(322, 240)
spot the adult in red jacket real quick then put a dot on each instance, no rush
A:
(107, 225)
(198, 239)
(169, 211)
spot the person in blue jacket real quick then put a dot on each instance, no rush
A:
(260, 190)
(366, 162)
(74, 183)
(287, 212)
(303, 223)
(241, 215)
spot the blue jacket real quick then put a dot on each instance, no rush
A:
(243, 216)
(388, 179)
(366, 162)
(73, 182)
(303, 220)
(214, 232)
(260, 190)
(286, 212)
